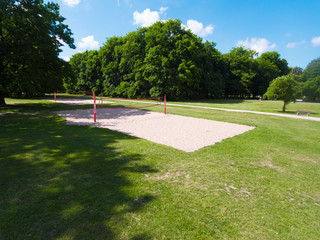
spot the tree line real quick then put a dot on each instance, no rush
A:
(164, 58)
(309, 81)
(167, 59)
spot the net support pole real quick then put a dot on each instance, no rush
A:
(94, 108)
(55, 96)
(165, 104)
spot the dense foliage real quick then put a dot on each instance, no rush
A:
(167, 59)
(164, 58)
(284, 88)
(310, 79)
(31, 34)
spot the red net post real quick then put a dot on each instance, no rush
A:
(165, 104)
(55, 96)
(94, 108)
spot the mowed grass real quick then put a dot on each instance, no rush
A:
(256, 105)
(78, 182)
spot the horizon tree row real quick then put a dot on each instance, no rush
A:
(164, 58)
(167, 59)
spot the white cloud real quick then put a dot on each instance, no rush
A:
(71, 3)
(292, 45)
(295, 44)
(316, 41)
(162, 10)
(127, 3)
(66, 58)
(198, 29)
(148, 17)
(88, 43)
(260, 45)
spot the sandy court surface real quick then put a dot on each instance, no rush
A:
(185, 133)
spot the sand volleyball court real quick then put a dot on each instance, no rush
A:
(185, 133)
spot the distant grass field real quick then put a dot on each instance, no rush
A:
(255, 105)
(79, 182)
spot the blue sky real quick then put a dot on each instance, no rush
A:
(291, 28)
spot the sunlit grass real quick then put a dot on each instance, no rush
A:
(79, 182)
(256, 105)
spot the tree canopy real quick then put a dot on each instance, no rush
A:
(310, 79)
(312, 70)
(31, 34)
(284, 88)
(165, 58)
(152, 61)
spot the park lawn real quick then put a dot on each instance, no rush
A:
(80, 182)
(256, 105)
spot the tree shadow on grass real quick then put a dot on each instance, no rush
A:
(46, 106)
(40, 107)
(59, 181)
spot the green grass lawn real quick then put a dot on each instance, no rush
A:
(255, 105)
(80, 182)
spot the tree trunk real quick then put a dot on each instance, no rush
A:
(284, 107)
(2, 100)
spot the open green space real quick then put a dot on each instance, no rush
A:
(78, 182)
(256, 105)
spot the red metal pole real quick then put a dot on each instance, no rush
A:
(55, 96)
(165, 104)
(94, 108)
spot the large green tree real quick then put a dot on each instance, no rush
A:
(265, 71)
(242, 71)
(31, 34)
(284, 88)
(87, 68)
(172, 60)
(281, 63)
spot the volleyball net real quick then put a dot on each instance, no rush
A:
(117, 103)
